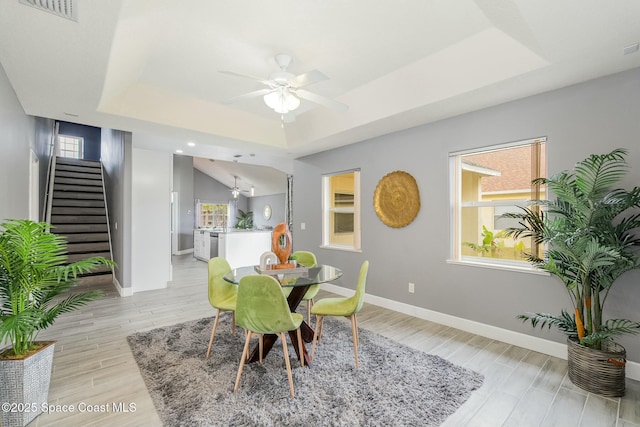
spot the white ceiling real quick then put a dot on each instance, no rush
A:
(152, 66)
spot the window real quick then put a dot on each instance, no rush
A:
(70, 146)
(485, 184)
(220, 215)
(341, 210)
(212, 215)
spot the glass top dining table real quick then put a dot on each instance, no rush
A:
(299, 282)
(313, 276)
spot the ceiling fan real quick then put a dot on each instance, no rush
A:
(285, 90)
(235, 190)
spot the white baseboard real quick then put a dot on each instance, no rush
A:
(183, 252)
(551, 348)
(124, 292)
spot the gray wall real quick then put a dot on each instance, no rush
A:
(20, 133)
(257, 204)
(207, 189)
(592, 117)
(17, 136)
(183, 185)
(116, 161)
(90, 134)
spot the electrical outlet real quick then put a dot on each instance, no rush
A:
(412, 287)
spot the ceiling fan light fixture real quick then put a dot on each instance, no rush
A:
(235, 191)
(281, 100)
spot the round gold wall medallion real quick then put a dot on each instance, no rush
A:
(396, 199)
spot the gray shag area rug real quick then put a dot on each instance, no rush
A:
(394, 386)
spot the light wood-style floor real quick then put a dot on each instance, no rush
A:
(95, 372)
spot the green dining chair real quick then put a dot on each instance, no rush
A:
(222, 295)
(262, 309)
(347, 307)
(307, 259)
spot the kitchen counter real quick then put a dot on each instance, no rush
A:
(239, 247)
(243, 247)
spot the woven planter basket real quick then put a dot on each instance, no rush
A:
(598, 371)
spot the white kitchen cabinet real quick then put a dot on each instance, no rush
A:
(202, 245)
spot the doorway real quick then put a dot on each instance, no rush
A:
(175, 223)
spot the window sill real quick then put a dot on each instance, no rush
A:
(341, 248)
(496, 266)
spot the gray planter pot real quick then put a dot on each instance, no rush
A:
(24, 387)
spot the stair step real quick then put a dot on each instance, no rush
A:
(101, 269)
(96, 279)
(79, 228)
(77, 257)
(59, 202)
(77, 210)
(80, 175)
(78, 215)
(70, 187)
(78, 219)
(81, 169)
(76, 162)
(79, 181)
(76, 195)
(84, 237)
(76, 248)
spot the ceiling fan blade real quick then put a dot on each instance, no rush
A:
(313, 76)
(254, 94)
(245, 76)
(322, 100)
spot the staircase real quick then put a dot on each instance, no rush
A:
(78, 213)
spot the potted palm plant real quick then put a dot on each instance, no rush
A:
(245, 220)
(590, 235)
(34, 274)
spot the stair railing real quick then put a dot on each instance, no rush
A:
(106, 212)
(46, 215)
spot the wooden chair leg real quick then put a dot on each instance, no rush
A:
(213, 332)
(309, 304)
(354, 330)
(260, 347)
(319, 320)
(286, 361)
(321, 328)
(233, 323)
(246, 334)
(300, 346)
(355, 319)
(245, 352)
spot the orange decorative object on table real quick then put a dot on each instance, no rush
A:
(281, 243)
(286, 265)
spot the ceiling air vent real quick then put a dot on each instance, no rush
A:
(64, 8)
